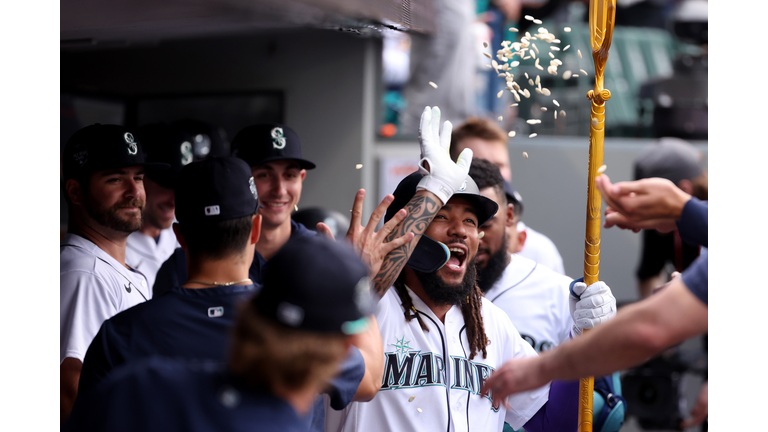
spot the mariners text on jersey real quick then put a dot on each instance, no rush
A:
(430, 383)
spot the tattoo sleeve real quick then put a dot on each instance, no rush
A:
(422, 208)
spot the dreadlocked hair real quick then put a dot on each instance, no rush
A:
(470, 310)
(405, 298)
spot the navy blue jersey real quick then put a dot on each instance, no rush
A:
(187, 323)
(694, 222)
(173, 272)
(696, 278)
(169, 395)
(694, 227)
(190, 324)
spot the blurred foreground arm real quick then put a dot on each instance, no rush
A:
(372, 348)
(637, 333)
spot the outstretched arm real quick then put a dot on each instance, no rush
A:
(421, 209)
(638, 332)
(652, 203)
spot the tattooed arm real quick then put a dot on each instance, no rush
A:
(422, 208)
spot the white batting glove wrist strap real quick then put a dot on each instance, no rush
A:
(443, 190)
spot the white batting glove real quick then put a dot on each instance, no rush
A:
(591, 305)
(442, 176)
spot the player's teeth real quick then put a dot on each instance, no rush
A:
(275, 205)
(457, 250)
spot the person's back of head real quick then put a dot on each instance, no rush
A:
(216, 201)
(293, 335)
(207, 140)
(677, 161)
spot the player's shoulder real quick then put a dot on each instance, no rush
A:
(83, 258)
(76, 254)
(543, 272)
(494, 315)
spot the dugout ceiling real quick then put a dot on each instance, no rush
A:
(104, 24)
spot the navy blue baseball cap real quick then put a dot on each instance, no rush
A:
(264, 143)
(103, 147)
(429, 254)
(215, 189)
(317, 284)
(167, 144)
(207, 140)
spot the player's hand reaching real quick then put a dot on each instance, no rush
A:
(614, 218)
(442, 176)
(515, 376)
(652, 203)
(370, 244)
(591, 305)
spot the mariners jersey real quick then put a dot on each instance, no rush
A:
(429, 382)
(536, 300)
(93, 286)
(146, 255)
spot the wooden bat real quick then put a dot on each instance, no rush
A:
(602, 14)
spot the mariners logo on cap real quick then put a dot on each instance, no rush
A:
(278, 138)
(80, 154)
(253, 188)
(186, 153)
(463, 186)
(131, 141)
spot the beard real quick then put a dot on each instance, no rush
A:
(488, 275)
(109, 218)
(443, 293)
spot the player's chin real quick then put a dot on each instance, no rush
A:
(451, 275)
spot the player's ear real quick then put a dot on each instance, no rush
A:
(179, 237)
(510, 214)
(303, 174)
(74, 191)
(256, 230)
(521, 237)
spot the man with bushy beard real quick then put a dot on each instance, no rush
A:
(442, 338)
(103, 166)
(535, 298)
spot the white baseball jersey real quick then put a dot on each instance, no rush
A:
(429, 382)
(93, 287)
(541, 249)
(145, 255)
(536, 300)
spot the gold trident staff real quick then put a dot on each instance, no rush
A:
(602, 15)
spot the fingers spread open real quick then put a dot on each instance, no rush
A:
(378, 214)
(392, 223)
(445, 136)
(435, 126)
(357, 213)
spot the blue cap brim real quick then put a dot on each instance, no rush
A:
(429, 255)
